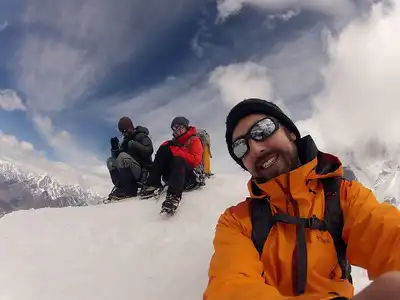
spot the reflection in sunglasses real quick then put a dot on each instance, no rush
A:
(260, 131)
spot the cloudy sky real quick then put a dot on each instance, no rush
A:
(69, 69)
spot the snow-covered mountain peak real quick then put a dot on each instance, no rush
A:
(10, 171)
(25, 190)
(381, 175)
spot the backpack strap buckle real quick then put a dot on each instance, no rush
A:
(315, 223)
(312, 222)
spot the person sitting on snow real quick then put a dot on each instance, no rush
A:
(174, 163)
(130, 161)
(303, 225)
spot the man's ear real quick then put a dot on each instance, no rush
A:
(290, 135)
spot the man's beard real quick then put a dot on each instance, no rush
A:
(286, 162)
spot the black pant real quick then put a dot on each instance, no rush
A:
(172, 169)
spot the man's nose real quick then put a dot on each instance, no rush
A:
(256, 148)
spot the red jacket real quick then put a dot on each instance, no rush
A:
(192, 156)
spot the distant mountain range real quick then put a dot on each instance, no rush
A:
(22, 190)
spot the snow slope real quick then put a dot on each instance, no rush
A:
(116, 251)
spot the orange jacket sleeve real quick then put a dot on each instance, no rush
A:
(235, 268)
(193, 157)
(371, 230)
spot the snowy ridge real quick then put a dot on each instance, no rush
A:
(25, 190)
(382, 177)
(377, 166)
(387, 185)
(9, 171)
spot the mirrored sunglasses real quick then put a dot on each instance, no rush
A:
(260, 131)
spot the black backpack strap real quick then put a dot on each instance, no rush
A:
(261, 220)
(189, 140)
(300, 279)
(311, 223)
(334, 219)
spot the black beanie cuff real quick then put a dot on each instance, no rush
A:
(180, 121)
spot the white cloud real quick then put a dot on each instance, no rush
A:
(79, 165)
(331, 7)
(4, 25)
(78, 45)
(295, 69)
(55, 139)
(283, 76)
(271, 23)
(360, 99)
(86, 39)
(343, 85)
(54, 73)
(9, 100)
(65, 145)
(242, 80)
(23, 155)
(344, 88)
(347, 98)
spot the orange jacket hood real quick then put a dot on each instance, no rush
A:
(315, 165)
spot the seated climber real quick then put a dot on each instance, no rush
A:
(175, 162)
(130, 160)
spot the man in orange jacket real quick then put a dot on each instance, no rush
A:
(303, 224)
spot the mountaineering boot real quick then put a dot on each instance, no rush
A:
(171, 203)
(190, 186)
(118, 193)
(148, 192)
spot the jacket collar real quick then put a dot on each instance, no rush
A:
(184, 137)
(314, 165)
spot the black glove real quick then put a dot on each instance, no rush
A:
(114, 143)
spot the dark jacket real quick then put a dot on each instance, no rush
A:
(138, 145)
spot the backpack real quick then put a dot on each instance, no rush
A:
(205, 139)
(262, 221)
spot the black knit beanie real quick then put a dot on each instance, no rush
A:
(180, 121)
(255, 106)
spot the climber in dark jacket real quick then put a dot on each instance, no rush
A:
(130, 160)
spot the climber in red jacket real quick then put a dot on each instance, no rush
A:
(174, 163)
